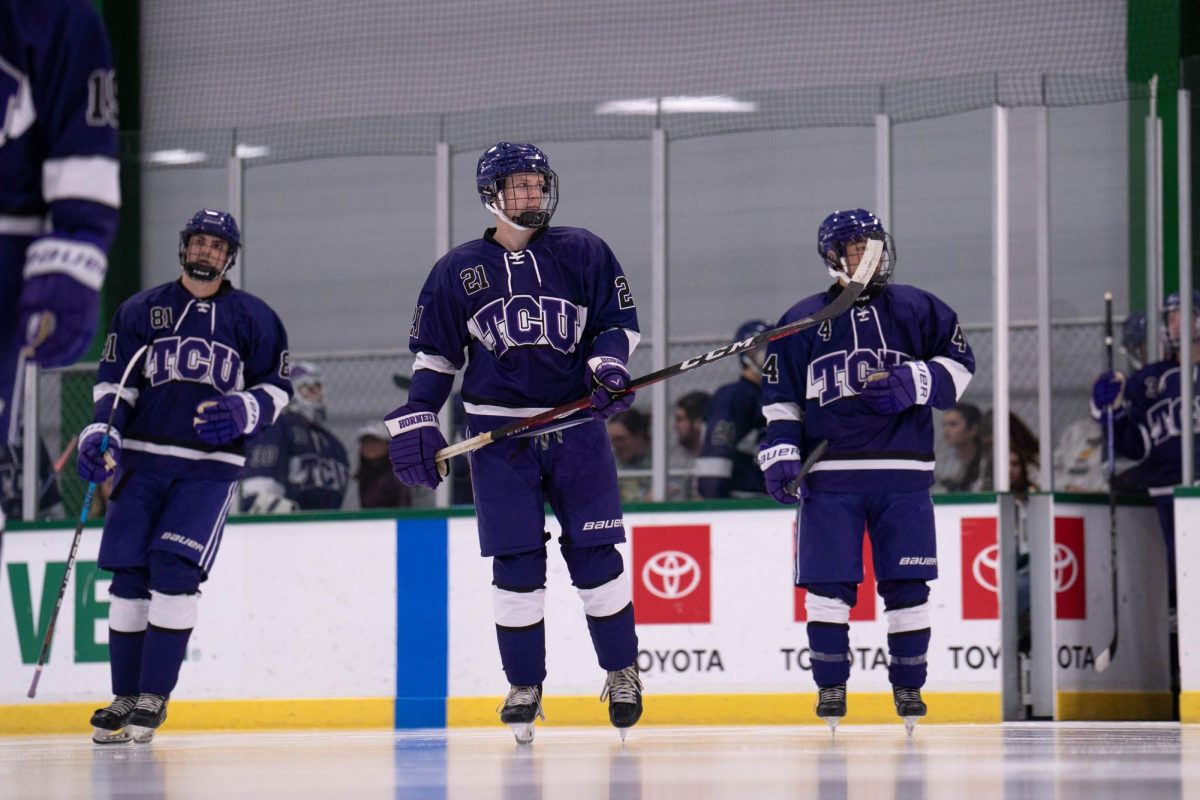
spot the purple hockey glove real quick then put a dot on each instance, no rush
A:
(92, 463)
(609, 378)
(57, 318)
(416, 438)
(1108, 392)
(892, 390)
(225, 419)
(781, 464)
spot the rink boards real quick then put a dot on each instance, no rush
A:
(372, 621)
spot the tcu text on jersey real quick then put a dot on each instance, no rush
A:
(175, 358)
(527, 321)
(1162, 419)
(843, 374)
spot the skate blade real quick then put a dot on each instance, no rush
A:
(832, 722)
(910, 724)
(522, 731)
(142, 735)
(624, 732)
(105, 736)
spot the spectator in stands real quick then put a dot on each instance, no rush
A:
(12, 472)
(377, 486)
(728, 464)
(689, 438)
(629, 435)
(967, 465)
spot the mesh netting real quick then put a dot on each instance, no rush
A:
(302, 79)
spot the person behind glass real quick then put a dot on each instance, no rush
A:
(540, 316)
(966, 467)
(1146, 424)
(728, 463)
(378, 487)
(690, 411)
(297, 464)
(629, 435)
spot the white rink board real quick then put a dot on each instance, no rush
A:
(744, 647)
(292, 609)
(1187, 565)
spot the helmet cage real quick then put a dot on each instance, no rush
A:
(845, 227)
(213, 223)
(505, 160)
(1173, 303)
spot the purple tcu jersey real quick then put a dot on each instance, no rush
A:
(198, 350)
(814, 378)
(300, 460)
(1150, 432)
(524, 323)
(59, 189)
(727, 465)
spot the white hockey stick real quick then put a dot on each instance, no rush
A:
(83, 515)
(842, 303)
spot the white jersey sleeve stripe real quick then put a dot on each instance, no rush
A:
(786, 412)
(958, 373)
(103, 390)
(435, 363)
(634, 338)
(278, 396)
(94, 178)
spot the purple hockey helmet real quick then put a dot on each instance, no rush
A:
(843, 227)
(214, 223)
(507, 158)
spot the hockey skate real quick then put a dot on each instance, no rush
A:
(831, 704)
(521, 709)
(109, 723)
(623, 689)
(148, 714)
(909, 706)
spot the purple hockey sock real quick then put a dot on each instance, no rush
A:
(615, 639)
(908, 666)
(162, 655)
(523, 653)
(125, 660)
(829, 652)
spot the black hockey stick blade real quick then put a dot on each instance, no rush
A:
(813, 457)
(1106, 656)
(841, 304)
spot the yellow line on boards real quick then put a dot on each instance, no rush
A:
(735, 709)
(207, 715)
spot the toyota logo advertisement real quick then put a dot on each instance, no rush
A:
(670, 572)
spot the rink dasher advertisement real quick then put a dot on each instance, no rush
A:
(718, 613)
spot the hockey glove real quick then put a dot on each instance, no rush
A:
(57, 318)
(781, 465)
(1108, 392)
(895, 389)
(416, 438)
(225, 419)
(93, 464)
(609, 379)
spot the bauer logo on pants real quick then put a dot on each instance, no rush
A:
(980, 569)
(671, 574)
(1070, 579)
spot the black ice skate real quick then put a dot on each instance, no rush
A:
(108, 723)
(521, 709)
(148, 714)
(623, 689)
(831, 704)
(909, 706)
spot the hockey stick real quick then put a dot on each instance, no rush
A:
(1105, 658)
(83, 515)
(840, 304)
(806, 467)
(56, 468)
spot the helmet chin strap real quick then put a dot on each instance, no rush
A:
(505, 218)
(199, 272)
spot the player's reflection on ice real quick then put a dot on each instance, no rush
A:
(122, 771)
(835, 779)
(524, 770)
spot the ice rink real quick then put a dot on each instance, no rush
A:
(1087, 761)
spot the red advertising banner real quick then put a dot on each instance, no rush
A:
(1070, 573)
(980, 568)
(671, 583)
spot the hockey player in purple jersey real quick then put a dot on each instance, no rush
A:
(59, 192)
(213, 373)
(727, 465)
(1146, 423)
(539, 316)
(297, 464)
(865, 382)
